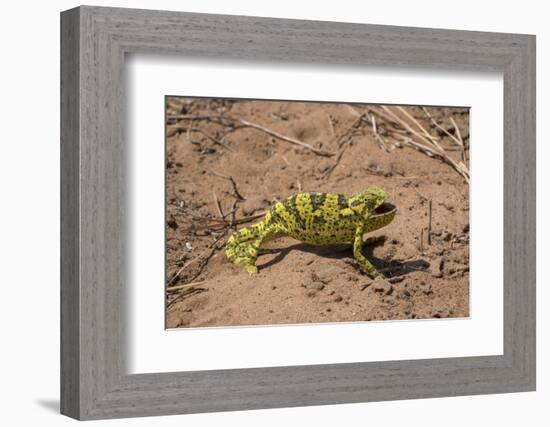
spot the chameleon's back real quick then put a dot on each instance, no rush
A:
(315, 218)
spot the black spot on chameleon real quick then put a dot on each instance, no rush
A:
(342, 201)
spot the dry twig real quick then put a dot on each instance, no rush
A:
(425, 142)
(331, 126)
(441, 128)
(218, 206)
(380, 140)
(461, 141)
(186, 286)
(202, 257)
(327, 173)
(236, 192)
(211, 138)
(187, 293)
(245, 123)
(429, 222)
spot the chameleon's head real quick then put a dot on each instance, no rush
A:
(371, 204)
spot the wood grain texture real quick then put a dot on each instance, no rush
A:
(70, 291)
(94, 202)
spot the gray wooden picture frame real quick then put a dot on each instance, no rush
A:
(94, 382)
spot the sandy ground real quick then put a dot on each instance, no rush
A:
(298, 283)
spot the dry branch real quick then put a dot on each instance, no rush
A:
(202, 257)
(186, 286)
(236, 192)
(429, 222)
(426, 143)
(218, 206)
(245, 123)
(377, 136)
(461, 141)
(441, 128)
(327, 173)
(187, 293)
(331, 126)
(211, 138)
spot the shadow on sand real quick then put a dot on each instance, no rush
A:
(393, 268)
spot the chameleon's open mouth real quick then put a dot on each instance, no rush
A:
(384, 208)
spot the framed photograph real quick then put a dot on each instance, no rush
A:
(261, 213)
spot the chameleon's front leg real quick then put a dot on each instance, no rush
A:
(364, 263)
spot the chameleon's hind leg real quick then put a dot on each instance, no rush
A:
(364, 263)
(240, 250)
(266, 234)
(243, 253)
(237, 247)
(245, 234)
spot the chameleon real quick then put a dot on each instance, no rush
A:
(317, 219)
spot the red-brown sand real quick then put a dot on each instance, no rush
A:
(298, 283)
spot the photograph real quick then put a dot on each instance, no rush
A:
(286, 212)
(263, 215)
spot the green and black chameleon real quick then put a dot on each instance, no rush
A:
(317, 219)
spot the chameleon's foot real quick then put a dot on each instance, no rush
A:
(251, 268)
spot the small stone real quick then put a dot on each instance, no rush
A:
(274, 287)
(338, 298)
(466, 228)
(172, 223)
(320, 276)
(437, 268)
(383, 286)
(311, 293)
(315, 286)
(365, 286)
